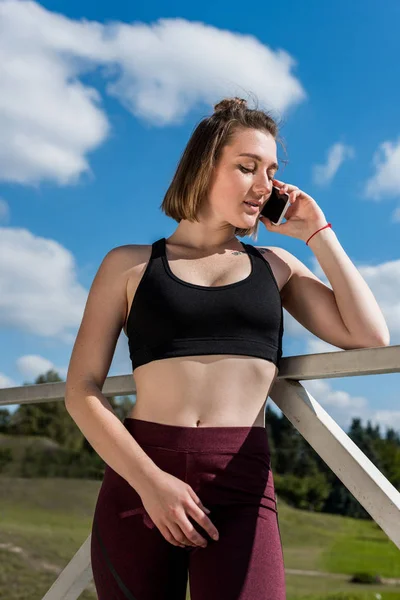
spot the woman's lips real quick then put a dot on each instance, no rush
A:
(254, 209)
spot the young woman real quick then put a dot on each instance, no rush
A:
(203, 315)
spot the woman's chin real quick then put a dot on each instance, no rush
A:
(250, 220)
(246, 223)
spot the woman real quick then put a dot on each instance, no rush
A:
(203, 316)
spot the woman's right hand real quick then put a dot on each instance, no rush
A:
(168, 500)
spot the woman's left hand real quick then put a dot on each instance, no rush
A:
(303, 217)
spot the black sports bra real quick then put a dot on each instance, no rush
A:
(171, 317)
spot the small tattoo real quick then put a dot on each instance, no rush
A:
(238, 252)
(264, 250)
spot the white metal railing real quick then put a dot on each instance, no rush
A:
(367, 484)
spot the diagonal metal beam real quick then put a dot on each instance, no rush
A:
(74, 578)
(362, 478)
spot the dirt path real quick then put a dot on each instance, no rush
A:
(39, 565)
(341, 576)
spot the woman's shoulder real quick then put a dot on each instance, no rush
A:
(124, 260)
(280, 260)
(276, 253)
(128, 252)
(294, 269)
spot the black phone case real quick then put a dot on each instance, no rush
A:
(275, 205)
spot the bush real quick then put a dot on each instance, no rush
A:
(61, 462)
(307, 492)
(365, 578)
(5, 457)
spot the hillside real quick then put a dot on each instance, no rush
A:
(44, 521)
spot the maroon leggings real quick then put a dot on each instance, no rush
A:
(229, 469)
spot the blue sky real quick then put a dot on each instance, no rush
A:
(98, 101)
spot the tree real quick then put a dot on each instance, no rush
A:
(47, 419)
(5, 416)
(52, 420)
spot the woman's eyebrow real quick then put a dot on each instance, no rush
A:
(274, 165)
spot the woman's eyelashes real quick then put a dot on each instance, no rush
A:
(244, 170)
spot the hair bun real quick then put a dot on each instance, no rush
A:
(230, 104)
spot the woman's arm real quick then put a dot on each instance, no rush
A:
(348, 315)
(357, 305)
(91, 357)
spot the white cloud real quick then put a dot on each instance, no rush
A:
(47, 136)
(338, 400)
(317, 346)
(386, 180)
(4, 211)
(342, 406)
(337, 154)
(33, 365)
(40, 292)
(387, 418)
(384, 281)
(6, 382)
(158, 71)
(292, 326)
(396, 215)
(185, 63)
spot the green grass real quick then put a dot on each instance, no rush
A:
(375, 556)
(51, 518)
(21, 579)
(336, 544)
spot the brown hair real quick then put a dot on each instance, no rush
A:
(190, 183)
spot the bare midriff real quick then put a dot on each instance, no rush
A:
(210, 390)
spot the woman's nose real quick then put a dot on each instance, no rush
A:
(263, 187)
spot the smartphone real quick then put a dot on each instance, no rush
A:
(276, 206)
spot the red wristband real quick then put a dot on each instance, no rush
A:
(324, 227)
